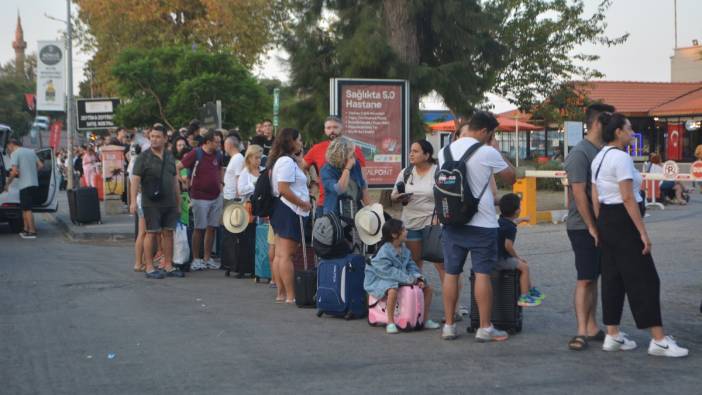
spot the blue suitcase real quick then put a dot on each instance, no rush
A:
(262, 264)
(340, 290)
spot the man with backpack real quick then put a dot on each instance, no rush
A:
(466, 207)
(206, 174)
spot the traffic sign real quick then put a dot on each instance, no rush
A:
(276, 107)
(696, 170)
(96, 114)
(670, 169)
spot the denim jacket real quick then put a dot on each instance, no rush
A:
(388, 269)
(330, 176)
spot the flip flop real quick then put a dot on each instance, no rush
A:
(578, 343)
(598, 337)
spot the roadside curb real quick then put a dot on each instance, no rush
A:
(67, 228)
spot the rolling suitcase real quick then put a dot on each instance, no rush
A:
(409, 311)
(262, 264)
(305, 273)
(84, 206)
(506, 314)
(340, 291)
(238, 251)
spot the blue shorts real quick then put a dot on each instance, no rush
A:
(459, 240)
(414, 234)
(285, 222)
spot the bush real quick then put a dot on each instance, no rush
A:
(549, 184)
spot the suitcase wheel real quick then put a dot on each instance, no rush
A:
(256, 280)
(319, 313)
(470, 329)
(227, 273)
(348, 316)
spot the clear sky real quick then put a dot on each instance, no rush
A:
(644, 57)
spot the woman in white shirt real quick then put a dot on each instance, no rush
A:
(293, 204)
(250, 173)
(414, 188)
(627, 265)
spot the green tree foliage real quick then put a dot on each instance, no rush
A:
(521, 49)
(13, 107)
(170, 84)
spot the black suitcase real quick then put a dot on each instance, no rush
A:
(238, 251)
(84, 205)
(506, 314)
(305, 273)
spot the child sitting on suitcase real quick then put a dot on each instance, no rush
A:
(393, 266)
(507, 256)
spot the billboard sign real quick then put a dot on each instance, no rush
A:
(96, 114)
(51, 76)
(375, 116)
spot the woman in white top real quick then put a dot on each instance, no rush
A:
(249, 175)
(627, 264)
(293, 205)
(414, 188)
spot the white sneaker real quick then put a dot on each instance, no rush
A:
(448, 332)
(618, 343)
(666, 348)
(431, 324)
(211, 264)
(490, 334)
(197, 265)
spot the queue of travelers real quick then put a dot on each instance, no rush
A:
(193, 174)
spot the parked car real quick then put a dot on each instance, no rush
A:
(46, 199)
(43, 121)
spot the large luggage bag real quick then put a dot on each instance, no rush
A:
(506, 314)
(305, 273)
(262, 264)
(409, 310)
(340, 289)
(238, 251)
(84, 205)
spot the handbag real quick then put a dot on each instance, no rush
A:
(432, 249)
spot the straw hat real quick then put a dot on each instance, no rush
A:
(369, 223)
(235, 218)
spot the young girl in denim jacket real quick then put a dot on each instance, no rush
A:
(393, 266)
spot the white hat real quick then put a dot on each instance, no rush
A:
(369, 223)
(235, 218)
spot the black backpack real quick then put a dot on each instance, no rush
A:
(455, 203)
(331, 236)
(262, 200)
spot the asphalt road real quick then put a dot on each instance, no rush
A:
(74, 319)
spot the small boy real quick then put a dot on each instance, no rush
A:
(507, 258)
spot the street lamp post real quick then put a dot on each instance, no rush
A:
(69, 110)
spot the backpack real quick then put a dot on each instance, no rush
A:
(262, 200)
(454, 201)
(407, 173)
(331, 236)
(199, 153)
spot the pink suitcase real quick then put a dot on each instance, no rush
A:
(409, 312)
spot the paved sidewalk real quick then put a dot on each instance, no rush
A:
(112, 227)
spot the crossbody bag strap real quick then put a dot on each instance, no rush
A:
(597, 173)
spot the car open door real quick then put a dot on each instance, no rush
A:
(46, 198)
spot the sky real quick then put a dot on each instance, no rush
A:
(644, 57)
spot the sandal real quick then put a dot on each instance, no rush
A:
(578, 343)
(139, 268)
(598, 337)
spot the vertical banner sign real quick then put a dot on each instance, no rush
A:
(276, 107)
(55, 135)
(51, 79)
(375, 117)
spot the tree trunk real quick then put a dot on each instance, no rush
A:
(401, 30)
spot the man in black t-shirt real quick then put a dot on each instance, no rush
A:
(265, 140)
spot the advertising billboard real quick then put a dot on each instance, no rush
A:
(51, 74)
(375, 116)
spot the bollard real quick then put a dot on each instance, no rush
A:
(526, 189)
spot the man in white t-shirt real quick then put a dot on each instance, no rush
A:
(479, 235)
(232, 146)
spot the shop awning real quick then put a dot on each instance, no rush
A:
(506, 125)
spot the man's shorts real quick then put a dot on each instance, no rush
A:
(509, 263)
(459, 240)
(587, 256)
(27, 197)
(160, 218)
(207, 213)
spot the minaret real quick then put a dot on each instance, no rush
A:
(19, 45)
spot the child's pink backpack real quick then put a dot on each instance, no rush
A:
(409, 312)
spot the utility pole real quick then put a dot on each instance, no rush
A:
(69, 110)
(675, 21)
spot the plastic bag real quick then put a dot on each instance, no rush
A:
(181, 249)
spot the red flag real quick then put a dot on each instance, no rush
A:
(31, 101)
(55, 136)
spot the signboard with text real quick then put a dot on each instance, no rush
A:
(51, 83)
(96, 114)
(375, 117)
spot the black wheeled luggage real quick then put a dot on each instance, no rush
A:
(304, 263)
(84, 205)
(238, 251)
(506, 314)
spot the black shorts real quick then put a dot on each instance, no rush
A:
(160, 218)
(27, 197)
(587, 255)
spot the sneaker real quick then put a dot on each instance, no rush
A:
(448, 332)
(391, 329)
(27, 235)
(536, 293)
(527, 300)
(173, 273)
(490, 334)
(666, 348)
(154, 275)
(618, 343)
(431, 324)
(197, 265)
(211, 264)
